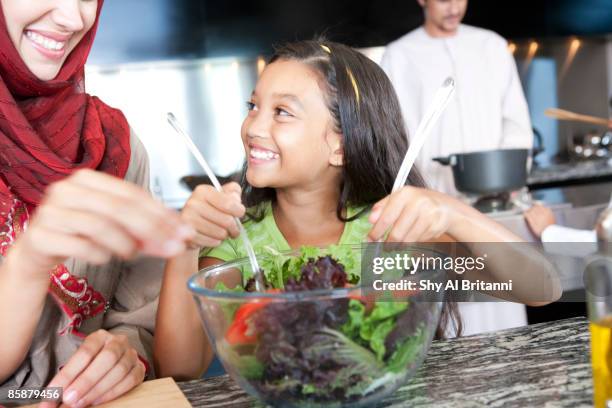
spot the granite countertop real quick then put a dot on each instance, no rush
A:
(545, 364)
(555, 173)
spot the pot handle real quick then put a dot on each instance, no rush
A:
(538, 145)
(445, 161)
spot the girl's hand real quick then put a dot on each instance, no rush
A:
(102, 369)
(93, 216)
(211, 214)
(413, 214)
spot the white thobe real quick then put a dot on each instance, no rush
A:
(488, 110)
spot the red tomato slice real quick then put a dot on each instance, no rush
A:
(241, 331)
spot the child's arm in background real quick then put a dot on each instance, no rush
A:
(182, 349)
(419, 215)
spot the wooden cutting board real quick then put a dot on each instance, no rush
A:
(162, 393)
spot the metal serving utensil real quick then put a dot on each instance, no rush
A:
(257, 272)
(441, 99)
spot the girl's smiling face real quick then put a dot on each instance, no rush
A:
(44, 32)
(289, 134)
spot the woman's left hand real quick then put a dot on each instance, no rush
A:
(105, 367)
(412, 214)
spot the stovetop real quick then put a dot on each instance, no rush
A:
(502, 204)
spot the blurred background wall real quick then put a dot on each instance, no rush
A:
(200, 59)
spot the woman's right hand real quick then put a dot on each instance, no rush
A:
(211, 213)
(92, 216)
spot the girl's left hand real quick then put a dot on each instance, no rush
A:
(105, 367)
(413, 214)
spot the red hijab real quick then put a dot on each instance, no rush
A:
(49, 129)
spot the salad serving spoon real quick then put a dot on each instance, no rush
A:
(433, 113)
(257, 272)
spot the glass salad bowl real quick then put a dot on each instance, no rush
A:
(319, 336)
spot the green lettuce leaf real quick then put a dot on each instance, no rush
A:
(357, 366)
(347, 257)
(221, 287)
(247, 365)
(278, 267)
(377, 341)
(384, 310)
(372, 330)
(381, 312)
(356, 315)
(408, 351)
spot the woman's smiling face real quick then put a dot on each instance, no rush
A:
(44, 32)
(288, 134)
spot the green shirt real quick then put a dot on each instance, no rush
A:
(266, 233)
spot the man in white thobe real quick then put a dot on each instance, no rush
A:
(488, 110)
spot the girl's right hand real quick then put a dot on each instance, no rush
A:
(92, 216)
(211, 213)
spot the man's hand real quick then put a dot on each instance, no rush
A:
(539, 218)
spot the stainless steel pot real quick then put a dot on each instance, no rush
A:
(488, 172)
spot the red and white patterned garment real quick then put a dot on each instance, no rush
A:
(48, 130)
(120, 297)
(74, 295)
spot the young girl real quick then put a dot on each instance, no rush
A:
(324, 139)
(70, 316)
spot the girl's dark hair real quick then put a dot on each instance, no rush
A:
(367, 113)
(374, 139)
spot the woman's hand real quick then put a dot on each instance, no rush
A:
(93, 216)
(105, 367)
(211, 213)
(412, 214)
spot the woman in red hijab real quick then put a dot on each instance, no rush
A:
(74, 213)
